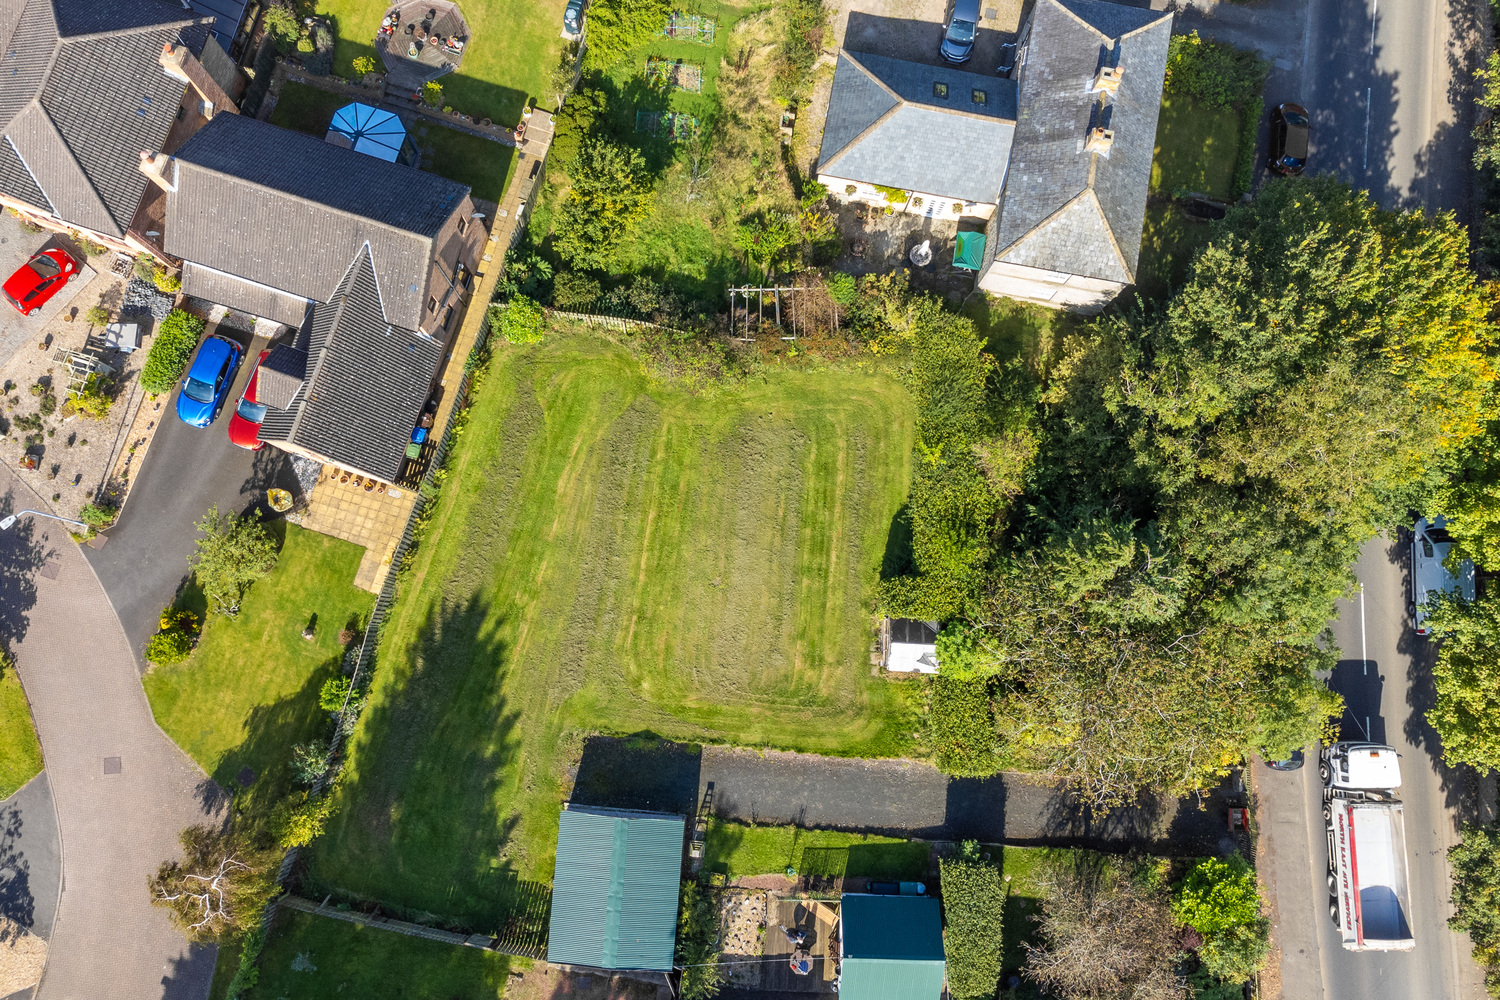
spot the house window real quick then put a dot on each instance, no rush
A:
(940, 91)
(447, 317)
(979, 97)
(463, 226)
(432, 305)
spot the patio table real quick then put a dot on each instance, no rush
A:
(123, 337)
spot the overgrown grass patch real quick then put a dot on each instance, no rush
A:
(1196, 148)
(307, 109)
(738, 849)
(513, 47)
(20, 753)
(250, 689)
(484, 165)
(1169, 241)
(314, 957)
(610, 555)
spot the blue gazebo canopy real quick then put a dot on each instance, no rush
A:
(372, 131)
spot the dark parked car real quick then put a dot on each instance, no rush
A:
(40, 278)
(573, 17)
(958, 39)
(208, 380)
(1292, 763)
(1290, 128)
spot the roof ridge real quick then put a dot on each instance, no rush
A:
(1109, 230)
(36, 105)
(1064, 8)
(133, 30)
(864, 134)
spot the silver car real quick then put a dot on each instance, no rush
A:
(1430, 545)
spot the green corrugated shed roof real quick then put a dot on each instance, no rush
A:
(893, 948)
(614, 891)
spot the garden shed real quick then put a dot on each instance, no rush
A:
(614, 890)
(892, 948)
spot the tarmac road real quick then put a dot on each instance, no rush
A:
(1384, 674)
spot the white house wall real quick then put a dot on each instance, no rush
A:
(1049, 288)
(869, 194)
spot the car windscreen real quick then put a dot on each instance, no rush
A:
(45, 266)
(253, 412)
(198, 390)
(961, 31)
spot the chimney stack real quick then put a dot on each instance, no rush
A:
(1107, 80)
(161, 168)
(1099, 141)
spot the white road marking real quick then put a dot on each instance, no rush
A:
(1373, 6)
(1367, 129)
(1363, 652)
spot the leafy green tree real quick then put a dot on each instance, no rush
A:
(617, 26)
(1215, 73)
(1217, 894)
(1236, 954)
(1487, 132)
(283, 27)
(583, 115)
(298, 822)
(609, 197)
(1475, 862)
(233, 553)
(519, 321)
(973, 906)
(308, 761)
(167, 648)
(1467, 676)
(333, 694)
(698, 943)
(767, 239)
(963, 654)
(171, 350)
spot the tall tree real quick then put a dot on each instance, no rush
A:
(219, 886)
(233, 553)
(1467, 676)
(610, 195)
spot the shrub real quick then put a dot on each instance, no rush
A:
(572, 289)
(363, 66)
(1475, 861)
(617, 26)
(100, 516)
(308, 761)
(972, 908)
(697, 943)
(166, 281)
(283, 27)
(961, 728)
(305, 45)
(1236, 954)
(298, 824)
(182, 621)
(432, 93)
(167, 648)
(963, 654)
(97, 316)
(519, 322)
(145, 267)
(1244, 162)
(334, 691)
(843, 288)
(1217, 895)
(1214, 73)
(171, 349)
(88, 246)
(94, 401)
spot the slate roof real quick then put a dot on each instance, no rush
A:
(226, 14)
(614, 891)
(365, 384)
(1063, 209)
(315, 205)
(281, 376)
(893, 948)
(886, 126)
(81, 94)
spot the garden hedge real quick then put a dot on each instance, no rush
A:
(171, 350)
(973, 908)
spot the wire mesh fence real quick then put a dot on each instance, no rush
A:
(690, 28)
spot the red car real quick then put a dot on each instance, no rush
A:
(40, 278)
(244, 422)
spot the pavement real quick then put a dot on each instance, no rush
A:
(123, 791)
(30, 857)
(143, 562)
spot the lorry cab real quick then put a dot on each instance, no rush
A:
(1361, 767)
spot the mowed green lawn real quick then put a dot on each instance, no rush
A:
(513, 47)
(250, 689)
(20, 753)
(738, 849)
(309, 957)
(611, 556)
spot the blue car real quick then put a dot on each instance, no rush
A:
(208, 380)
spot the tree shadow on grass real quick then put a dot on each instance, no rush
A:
(421, 827)
(257, 773)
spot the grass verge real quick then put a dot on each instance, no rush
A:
(608, 555)
(513, 47)
(737, 849)
(314, 957)
(250, 689)
(20, 753)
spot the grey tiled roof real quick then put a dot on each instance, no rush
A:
(281, 377)
(886, 125)
(241, 295)
(1076, 232)
(316, 205)
(367, 381)
(1069, 41)
(81, 94)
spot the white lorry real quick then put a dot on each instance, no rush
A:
(1367, 873)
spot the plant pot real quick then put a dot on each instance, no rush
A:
(369, 485)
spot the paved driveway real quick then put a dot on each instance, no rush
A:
(143, 563)
(123, 790)
(30, 857)
(913, 29)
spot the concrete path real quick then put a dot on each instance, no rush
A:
(123, 790)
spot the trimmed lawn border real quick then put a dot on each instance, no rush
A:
(20, 752)
(739, 850)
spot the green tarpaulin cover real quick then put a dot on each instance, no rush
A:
(970, 251)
